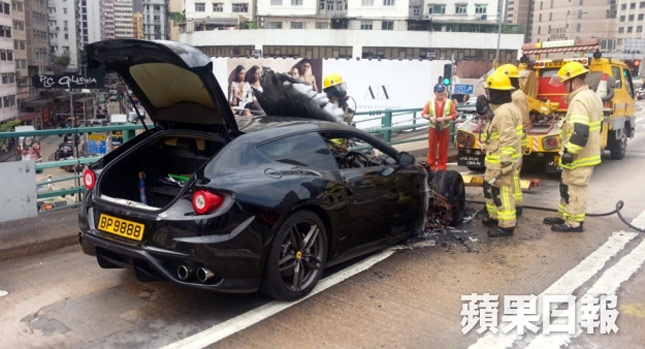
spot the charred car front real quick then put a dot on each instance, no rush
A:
(236, 205)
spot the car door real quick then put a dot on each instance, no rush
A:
(372, 180)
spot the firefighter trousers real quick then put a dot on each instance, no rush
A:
(573, 194)
(499, 198)
(517, 186)
(440, 140)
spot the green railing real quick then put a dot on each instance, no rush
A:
(392, 123)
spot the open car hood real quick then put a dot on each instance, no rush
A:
(173, 81)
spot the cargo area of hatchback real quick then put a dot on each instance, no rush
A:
(156, 172)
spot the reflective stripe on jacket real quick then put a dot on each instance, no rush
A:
(584, 114)
(519, 99)
(446, 113)
(501, 137)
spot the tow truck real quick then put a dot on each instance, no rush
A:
(610, 78)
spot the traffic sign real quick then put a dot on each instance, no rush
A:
(463, 89)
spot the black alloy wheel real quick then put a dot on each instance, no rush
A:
(297, 257)
(619, 148)
(450, 184)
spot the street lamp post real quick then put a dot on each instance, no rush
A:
(502, 12)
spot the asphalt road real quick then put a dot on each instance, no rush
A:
(410, 299)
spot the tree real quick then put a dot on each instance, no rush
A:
(60, 63)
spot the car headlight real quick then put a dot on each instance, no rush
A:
(550, 143)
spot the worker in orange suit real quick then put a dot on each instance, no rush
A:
(439, 111)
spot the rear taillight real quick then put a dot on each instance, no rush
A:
(89, 179)
(206, 202)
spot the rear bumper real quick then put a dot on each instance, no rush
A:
(151, 264)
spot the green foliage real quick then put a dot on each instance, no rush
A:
(178, 17)
(9, 125)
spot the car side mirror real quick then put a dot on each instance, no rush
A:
(406, 159)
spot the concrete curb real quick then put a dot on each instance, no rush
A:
(38, 234)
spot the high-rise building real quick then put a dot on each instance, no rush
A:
(8, 90)
(630, 38)
(391, 29)
(107, 19)
(123, 17)
(62, 34)
(137, 24)
(37, 36)
(519, 12)
(174, 9)
(88, 17)
(20, 49)
(577, 19)
(155, 19)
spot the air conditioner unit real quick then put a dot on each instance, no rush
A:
(427, 16)
(481, 16)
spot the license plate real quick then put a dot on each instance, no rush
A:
(121, 227)
(470, 160)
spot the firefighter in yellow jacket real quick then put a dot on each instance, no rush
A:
(519, 99)
(501, 140)
(580, 152)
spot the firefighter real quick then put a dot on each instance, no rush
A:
(502, 144)
(336, 90)
(519, 99)
(580, 147)
(439, 111)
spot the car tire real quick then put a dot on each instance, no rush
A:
(451, 186)
(619, 148)
(292, 272)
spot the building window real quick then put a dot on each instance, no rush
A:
(322, 25)
(297, 25)
(436, 9)
(480, 9)
(639, 29)
(582, 2)
(5, 8)
(242, 7)
(631, 18)
(539, 30)
(579, 27)
(461, 9)
(295, 3)
(65, 10)
(640, 17)
(275, 25)
(622, 18)
(200, 7)
(632, 6)
(279, 2)
(5, 31)
(416, 10)
(387, 25)
(629, 29)
(367, 2)
(550, 16)
(642, 4)
(623, 7)
(388, 2)
(366, 25)
(219, 6)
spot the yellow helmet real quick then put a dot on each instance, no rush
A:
(510, 70)
(571, 70)
(332, 80)
(499, 81)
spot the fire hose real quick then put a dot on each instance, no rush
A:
(619, 206)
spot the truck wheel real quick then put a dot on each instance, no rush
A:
(451, 186)
(619, 148)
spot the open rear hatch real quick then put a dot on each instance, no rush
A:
(173, 81)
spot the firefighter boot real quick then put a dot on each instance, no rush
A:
(501, 232)
(490, 222)
(518, 211)
(553, 220)
(563, 228)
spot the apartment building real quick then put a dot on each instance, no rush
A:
(350, 28)
(174, 8)
(19, 35)
(108, 30)
(155, 19)
(8, 89)
(630, 20)
(62, 31)
(37, 36)
(137, 24)
(520, 12)
(562, 20)
(123, 18)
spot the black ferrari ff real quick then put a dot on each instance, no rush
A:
(237, 205)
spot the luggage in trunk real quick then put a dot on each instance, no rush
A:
(164, 162)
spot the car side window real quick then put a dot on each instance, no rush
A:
(305, 149)
(354, 152)
(615, 71)
(628, 83)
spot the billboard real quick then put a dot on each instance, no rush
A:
(66, 81)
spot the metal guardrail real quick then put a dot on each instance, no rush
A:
(391, 122)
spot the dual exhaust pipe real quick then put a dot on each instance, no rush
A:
(202, 274)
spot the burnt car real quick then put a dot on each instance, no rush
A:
(237, 205)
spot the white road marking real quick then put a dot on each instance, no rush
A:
(222, 330)
(3, 293)
(606, 285)
(570, 281)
